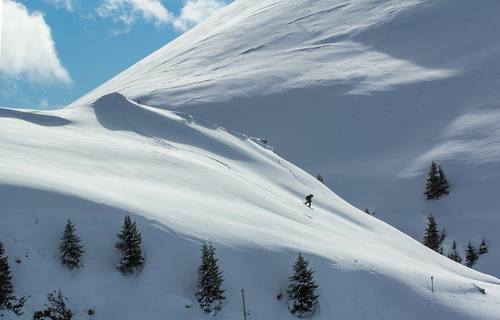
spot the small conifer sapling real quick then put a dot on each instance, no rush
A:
(470, 256)
(453, 254)
(57, 307)
(302, 289)
(483, 248)
(433, 238)
(443, 182)
(130, 246)
(320, 178)
(6, 287)
(437, 183)
(210, 279)
(432, 184)
(8, 301)
(70, 248)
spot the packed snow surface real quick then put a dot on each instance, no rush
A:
(186, 181)
(366, 93)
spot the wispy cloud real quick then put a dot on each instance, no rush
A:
(196, 11)
(129, 12)
(65, 4)
(44, 103)
(27, 49)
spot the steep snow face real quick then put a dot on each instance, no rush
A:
(267, 46)
(186, 181)
(366, 92)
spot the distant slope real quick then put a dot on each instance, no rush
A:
(366, 93)
(186, 181)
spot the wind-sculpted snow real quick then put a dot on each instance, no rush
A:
(33, 117)
(366, 93)
(186, 181)
(266, 47)
(152, 122)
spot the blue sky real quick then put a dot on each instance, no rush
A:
(54, 51)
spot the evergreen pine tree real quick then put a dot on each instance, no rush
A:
(8, 301)
(432, 238)
(432, 184)
(130, 246)
(70, 248)
(453, 254)
(301, 291)
(370, 213)
(470, 256)
(483, 248)
(6, 287)
(443, 183)
(57, 307)
(442, 237)
(210, 293)
(437, 183)
(320, 178)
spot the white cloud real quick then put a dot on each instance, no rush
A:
(66, 4)
(196, 11)
(128, 11)
(26, 46)
(44, 103)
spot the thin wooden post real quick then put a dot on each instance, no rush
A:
(244, 305)
(432, 283)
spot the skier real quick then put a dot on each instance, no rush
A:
(309, 200)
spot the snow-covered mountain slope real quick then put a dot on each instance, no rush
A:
(266, 47)
(186, 181)
(365, 92)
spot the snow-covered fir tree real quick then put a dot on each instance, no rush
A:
(437, 183)
(130, 245)
(6, 287)
(57, 307)
(70, 248)
(433, 238)
(210, 293)
(483, 248)
(302, 289)
(471, 256)
(453, 254)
